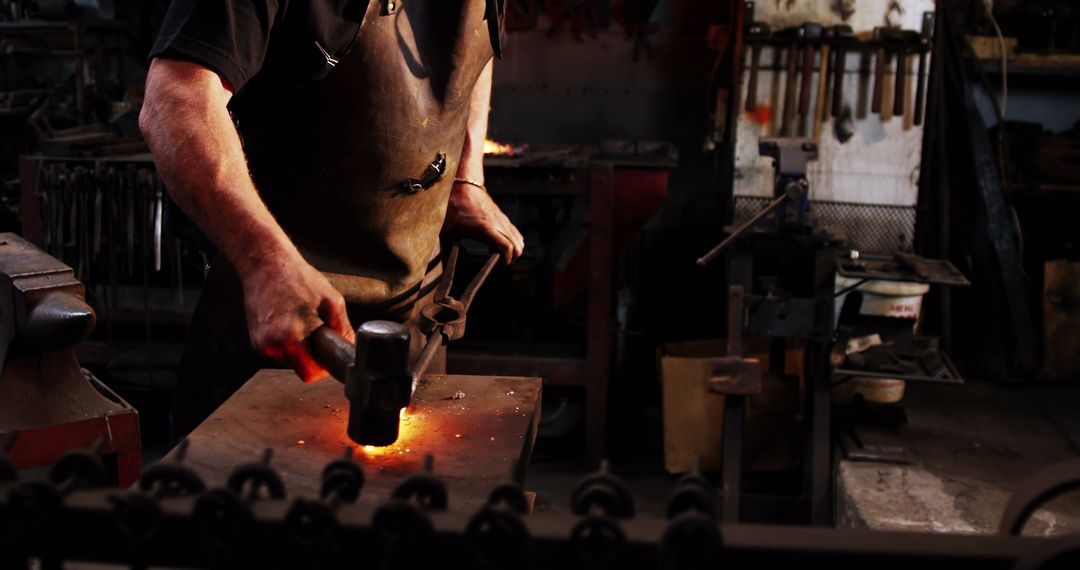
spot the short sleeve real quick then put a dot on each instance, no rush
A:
(227, 36)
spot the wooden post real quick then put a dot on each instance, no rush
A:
(30, 204)
(599, 344)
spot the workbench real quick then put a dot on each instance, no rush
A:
(480, 430)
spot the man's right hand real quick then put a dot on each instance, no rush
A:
(285, 301)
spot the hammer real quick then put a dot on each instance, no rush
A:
(378, 382)
(823, 82)
(793, 38)
(379, 379)
(925, 43)
(842, 38)
(909, 39)
(811, 35)
(756, 35)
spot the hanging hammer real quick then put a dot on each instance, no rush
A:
(811, 36)
(842, 38)
(793, 38)
(925, 44)
(823, 82)
(756, 35)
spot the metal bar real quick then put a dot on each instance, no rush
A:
(745, 227)
(474, 285)
(734, 412)
(442, 291)
(819, 444)
(600, 340)
(731, 456)
(30, 203)
(435, 340)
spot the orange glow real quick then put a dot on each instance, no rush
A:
(498, 149)
(409, 429)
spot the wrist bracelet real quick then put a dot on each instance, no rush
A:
(470, 183)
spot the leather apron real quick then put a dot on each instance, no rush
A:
(331, 160)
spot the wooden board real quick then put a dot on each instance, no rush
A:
(476, 440)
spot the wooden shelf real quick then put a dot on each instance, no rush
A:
(1036, 65)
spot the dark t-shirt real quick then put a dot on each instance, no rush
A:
(329, 146)
(265, 46)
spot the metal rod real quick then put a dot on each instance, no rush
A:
(443, 290)
(772, 207)
(474, 286)
(423, 360)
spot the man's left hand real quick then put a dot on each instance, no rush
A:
(473, 214)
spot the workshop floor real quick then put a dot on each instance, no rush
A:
(972, 446)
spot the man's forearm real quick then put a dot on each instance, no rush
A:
(472, 153)
(198, 153)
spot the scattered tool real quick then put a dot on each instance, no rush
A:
(811, 36)
(756, 35)
(908, 41)
(880, 60)
(823, 82)
(792, 37)
(379, 380)
(925, 43)
(842, 38)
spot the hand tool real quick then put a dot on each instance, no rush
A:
(925, 43)
(823, 82)
(757, 34)
(842, 38)
(378, 379)
(907, 40)
(899, 80)
(793, 37)
(890, 41)
(879, 70)
(811, 35)
(791, 194)
(155, 183)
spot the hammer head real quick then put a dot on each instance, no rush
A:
(811, 31)
(843, 32)
(379, 384)
(758, 30)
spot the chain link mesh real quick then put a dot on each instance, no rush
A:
(870, 228)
